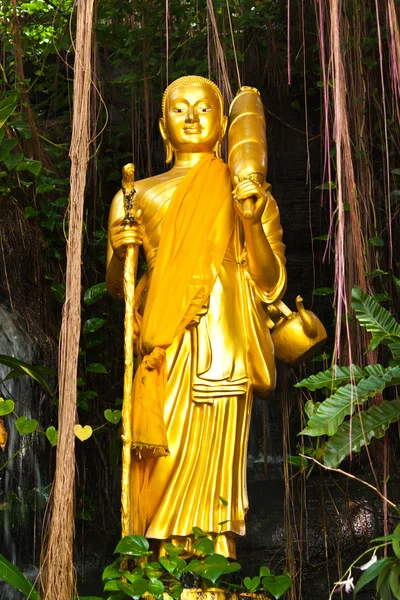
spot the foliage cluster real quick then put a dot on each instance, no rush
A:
(134, 575)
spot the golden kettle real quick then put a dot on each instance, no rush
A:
(296, 336)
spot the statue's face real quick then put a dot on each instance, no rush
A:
(193, 119)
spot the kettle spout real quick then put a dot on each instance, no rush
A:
(308, 319)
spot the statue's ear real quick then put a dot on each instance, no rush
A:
(168, 148)
(218, 145)
(224, 126)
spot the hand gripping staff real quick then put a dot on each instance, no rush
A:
(131, 260)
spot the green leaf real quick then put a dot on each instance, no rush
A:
(173, 563)
(92, 325)
(135, 590)
(6, 407)
(58, 290)
(212, 567)
(264, 571)
(332, 378)
(377, 320)
(175, 589)
(298, 461)
(111, 572)
(276, 585)
(365, 425)
(251, 584)
(224, 501)
(372, 572)
(376, 242)
(328, 185)
(25, 425)
(323, 291)
(14, 577)
(94, 293)
(322, 238)
(331, 413)
(12, 160)
(204, 545)
(33, 166)
(172, 550)
(45, 187)
(156, 588)
(134, 545)
(377, 273)
(113, 416)
(7, 107)
(394, 580)
(30, 212)
(197, 532)
(23, 368)
(396, 542)
(96, 368)
(52, 435)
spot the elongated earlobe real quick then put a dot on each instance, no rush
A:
(169, 154)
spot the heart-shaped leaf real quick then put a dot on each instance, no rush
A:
(111, 572)
(172, 564)
(171, 549)
(25, 425)
(135, 590)
(134, 545)
(52, 435)
(212, 567)
(251, 584)
(204, 546)
(276, 584)
(113, 416)
(83, 433)
(156, 588)
(264, 571)
(6, 407)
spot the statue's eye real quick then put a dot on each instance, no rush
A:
(204, 109)
(177, 110)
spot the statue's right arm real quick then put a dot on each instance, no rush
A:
(115, 264)
(119, 237)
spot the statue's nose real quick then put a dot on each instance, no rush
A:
(191, 115)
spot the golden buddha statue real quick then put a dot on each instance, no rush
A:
(200, 320)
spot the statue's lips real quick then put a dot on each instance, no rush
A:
(193, 130)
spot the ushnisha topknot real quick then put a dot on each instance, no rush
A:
(193, 80)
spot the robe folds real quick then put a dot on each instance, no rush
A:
(213, 364)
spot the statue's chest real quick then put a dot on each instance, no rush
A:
(154, 205)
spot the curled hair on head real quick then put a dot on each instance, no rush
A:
(193, 80)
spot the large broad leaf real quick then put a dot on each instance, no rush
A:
(366, 425)
(212, 567)
(134, 545)
(372, 572)
(332, 412)
(14, 577)
(22, 368)
(377, 320)
(7, 107)
(332, 378)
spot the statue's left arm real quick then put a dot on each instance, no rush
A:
(265, 252)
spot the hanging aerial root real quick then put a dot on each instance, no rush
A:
(57, 572)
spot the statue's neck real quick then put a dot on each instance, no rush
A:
(188, 159)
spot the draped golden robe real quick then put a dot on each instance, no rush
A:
(213, 366)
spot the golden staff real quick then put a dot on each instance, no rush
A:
(131, 260)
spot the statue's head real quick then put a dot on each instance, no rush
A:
(193, 116)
